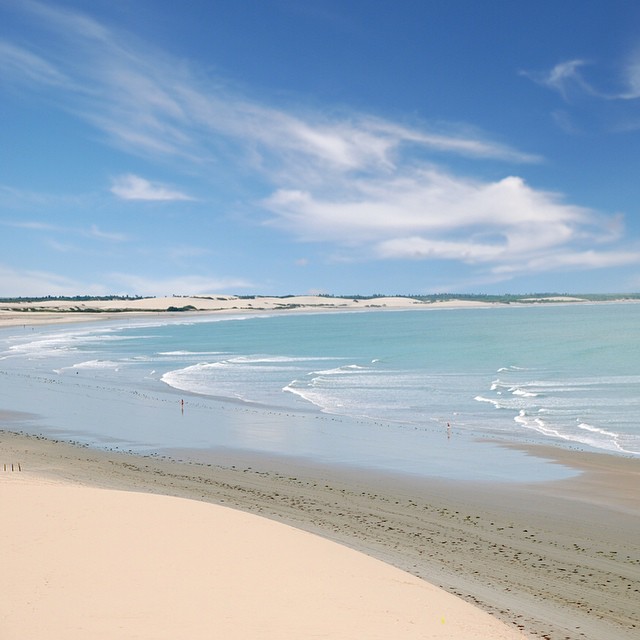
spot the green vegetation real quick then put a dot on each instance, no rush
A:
(506, 298)
(72, 298)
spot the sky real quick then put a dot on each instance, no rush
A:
(346, 147)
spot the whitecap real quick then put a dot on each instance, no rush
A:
(96, 364)
(495, 403)
(517, 391)
(350, 368)
(592, 429)
(189, 353)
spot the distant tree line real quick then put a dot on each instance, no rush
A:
(73, 298)
(501, 298)
(505, 298)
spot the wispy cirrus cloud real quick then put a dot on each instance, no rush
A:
(23, 66)
(354, 180)
(594, 100)
(132, 187)
(148, 102)
(565, 78)
(569, 78)
(92, 232)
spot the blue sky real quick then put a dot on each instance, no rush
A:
(336, 146)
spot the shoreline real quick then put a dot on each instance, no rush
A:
(554, 560)
(53, 311)
(135, 565)
(606, 480)
(189, 307)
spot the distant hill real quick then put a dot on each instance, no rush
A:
(434, 297)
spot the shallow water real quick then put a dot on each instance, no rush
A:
(408, 391)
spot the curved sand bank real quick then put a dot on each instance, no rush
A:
(64, 311)
(554, 560)
(83, 562)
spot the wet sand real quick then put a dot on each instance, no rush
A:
(556, 560)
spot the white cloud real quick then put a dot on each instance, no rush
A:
(92, 232)
(565, 77)
(150, 103)
(426, 201)
(431, 215)
(421, 248)
(132, 187)
(23, 66)
(350, 179)
(594, 101)
(568, 79)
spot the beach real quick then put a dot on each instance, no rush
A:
(443, 558)
(92, 562)
(85, 562)
(555, 561)
(55, 311)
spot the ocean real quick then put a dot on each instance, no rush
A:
(426, 392)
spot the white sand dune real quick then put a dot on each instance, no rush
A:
(81, 562)
(58, 311)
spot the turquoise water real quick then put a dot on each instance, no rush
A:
(401, 390)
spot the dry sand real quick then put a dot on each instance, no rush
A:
(559, 561)
(555, 561)
(83, 563)
(63, 311)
